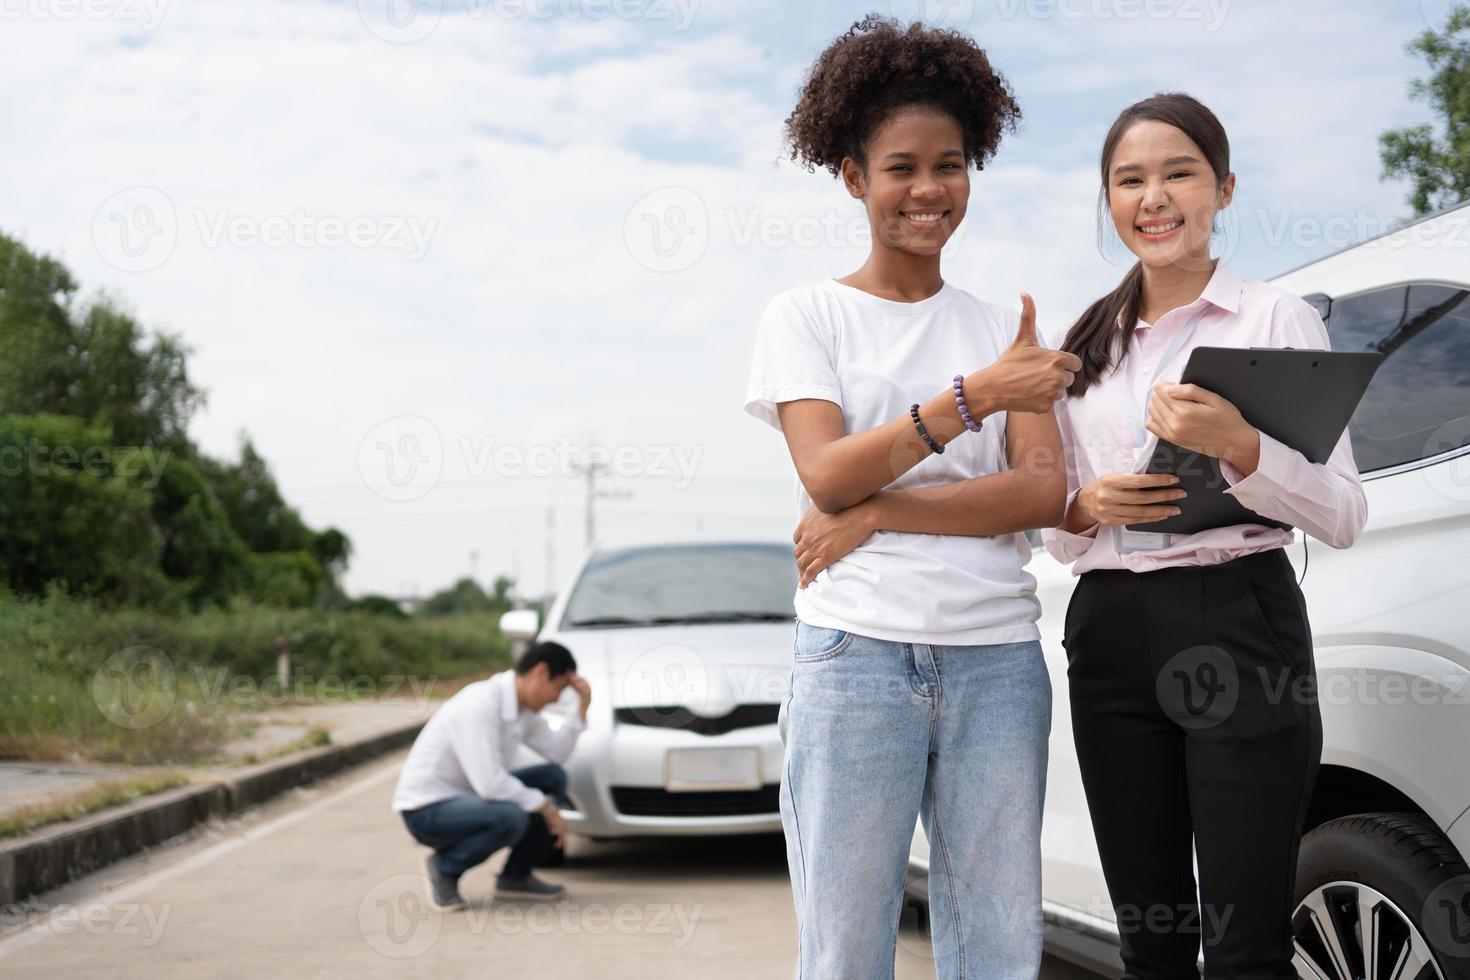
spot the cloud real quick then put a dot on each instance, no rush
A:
(534, 314)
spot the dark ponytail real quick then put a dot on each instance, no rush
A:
(1105, 329)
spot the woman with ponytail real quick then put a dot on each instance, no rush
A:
(1189, 656)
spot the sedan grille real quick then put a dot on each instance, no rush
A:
(640, 801)
(743, 716)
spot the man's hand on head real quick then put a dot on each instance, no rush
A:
(579, 684)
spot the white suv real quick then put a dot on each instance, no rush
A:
(1382, 879)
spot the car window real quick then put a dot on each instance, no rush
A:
(1419, 402)
(683, 584)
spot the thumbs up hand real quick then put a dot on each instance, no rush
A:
(1026, 333)
(1028, 377)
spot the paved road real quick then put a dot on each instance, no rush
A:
(327, 884)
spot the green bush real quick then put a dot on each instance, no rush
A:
(53, 649)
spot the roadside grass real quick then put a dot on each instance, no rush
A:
(82, 683)
(116, 792)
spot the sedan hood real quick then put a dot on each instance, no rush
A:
(708, 668)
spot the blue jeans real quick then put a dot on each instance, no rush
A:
(466, 830)
(879, 734)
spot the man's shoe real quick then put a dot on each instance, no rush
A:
(443, 890)
(529, 885)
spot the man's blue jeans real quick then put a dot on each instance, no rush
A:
(466, 830)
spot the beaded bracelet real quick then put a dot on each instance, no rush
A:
(934, 447)
(959, 397)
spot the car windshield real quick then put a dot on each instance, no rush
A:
(667, 585)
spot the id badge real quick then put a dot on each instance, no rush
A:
(1126, 541)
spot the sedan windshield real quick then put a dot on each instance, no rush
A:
(666, 585)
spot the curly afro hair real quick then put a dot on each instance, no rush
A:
(879, 67)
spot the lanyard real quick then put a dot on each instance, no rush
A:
(1140, 430)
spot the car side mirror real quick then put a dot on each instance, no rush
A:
(520, 624)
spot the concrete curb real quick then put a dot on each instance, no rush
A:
(58, 853)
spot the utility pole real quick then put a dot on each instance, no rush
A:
(550, 551)
(590, 472)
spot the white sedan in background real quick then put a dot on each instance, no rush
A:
(687, 646)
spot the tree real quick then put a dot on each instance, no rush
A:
(71, 517)
(101, 489)
(1438, 168)
(96, 364)
(466, 596)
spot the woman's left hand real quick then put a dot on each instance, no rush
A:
(1202, 422)
(823, 539)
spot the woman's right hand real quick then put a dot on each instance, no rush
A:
(1128, 498)
(1027, 377)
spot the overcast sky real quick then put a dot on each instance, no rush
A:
(434, 257)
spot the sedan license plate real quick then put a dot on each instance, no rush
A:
(688, 770)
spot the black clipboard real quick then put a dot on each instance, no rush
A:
(1302, 398)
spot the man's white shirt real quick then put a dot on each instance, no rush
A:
(467, 746)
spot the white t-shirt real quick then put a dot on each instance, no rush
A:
(874, 358)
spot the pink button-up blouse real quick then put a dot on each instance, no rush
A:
(1324, 499)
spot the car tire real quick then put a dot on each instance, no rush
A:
(1399, 870)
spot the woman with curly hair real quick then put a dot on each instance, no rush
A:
(919, 419)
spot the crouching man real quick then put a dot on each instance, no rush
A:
(457, 793)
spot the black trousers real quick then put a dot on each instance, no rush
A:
(1194, 712)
